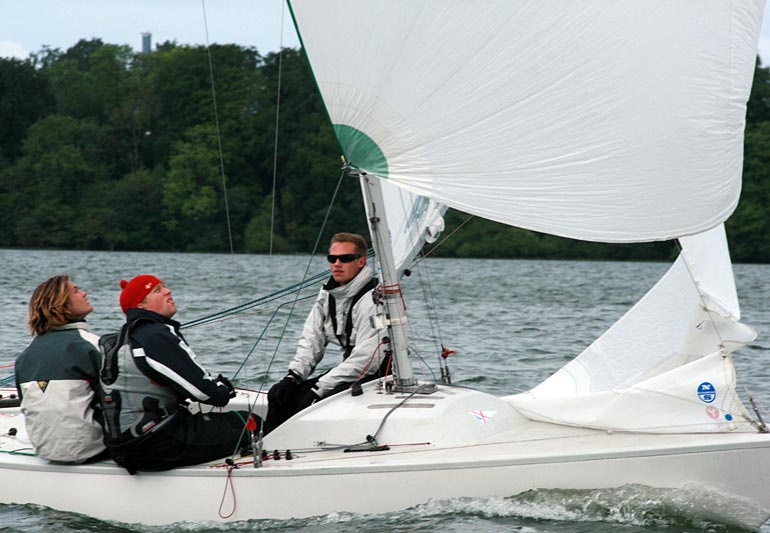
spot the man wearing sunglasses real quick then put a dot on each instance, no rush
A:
(341, 316)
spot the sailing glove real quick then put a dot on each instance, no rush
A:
(282, 391)
(226, 382)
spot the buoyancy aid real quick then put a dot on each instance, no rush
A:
(134, 406)
(345, 341)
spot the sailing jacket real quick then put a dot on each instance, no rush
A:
(364, 358)
(56, 376)
(154, 375)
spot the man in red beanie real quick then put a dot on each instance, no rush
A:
(147, 383)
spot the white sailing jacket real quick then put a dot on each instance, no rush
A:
(365, 357)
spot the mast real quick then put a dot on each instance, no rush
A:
(395, 314)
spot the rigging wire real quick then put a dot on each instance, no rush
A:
(760, 424)
(221, 160)
(264, 330)
(442, 241)
(277, 117)
(433, 320)
(213, 317)
(218, 130)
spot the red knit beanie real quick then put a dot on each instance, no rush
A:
(135, 290)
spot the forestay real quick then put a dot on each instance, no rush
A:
(604, 120)
(665, 366)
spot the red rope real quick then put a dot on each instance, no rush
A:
(371, 360)
(228, 484)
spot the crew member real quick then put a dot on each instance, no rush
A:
(57, 375)
(341, 316)
(149, 376)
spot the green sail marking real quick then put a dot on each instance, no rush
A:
(361, 151)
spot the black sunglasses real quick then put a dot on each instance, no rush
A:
(344, 258)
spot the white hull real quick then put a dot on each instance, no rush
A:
(448, 453)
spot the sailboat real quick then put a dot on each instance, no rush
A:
(601, 120)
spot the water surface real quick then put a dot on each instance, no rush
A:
(511, 322)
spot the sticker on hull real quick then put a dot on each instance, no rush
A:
(483, 416)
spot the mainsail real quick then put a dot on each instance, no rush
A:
(604, 120)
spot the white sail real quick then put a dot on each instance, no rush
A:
(666, 362)
(605, 120)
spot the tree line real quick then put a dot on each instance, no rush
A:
(189, 148)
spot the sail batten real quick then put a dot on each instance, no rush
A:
(567, 113)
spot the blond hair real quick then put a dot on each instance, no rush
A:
(355, 238)
(49, 306)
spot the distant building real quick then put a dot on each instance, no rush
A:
(146, 42)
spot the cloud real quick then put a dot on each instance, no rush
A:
(13, 49)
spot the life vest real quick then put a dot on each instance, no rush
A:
(345, 343)
(134, 406)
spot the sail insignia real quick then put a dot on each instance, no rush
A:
(361, 150)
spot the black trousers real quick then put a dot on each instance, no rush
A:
(187, 439)
(279, 411)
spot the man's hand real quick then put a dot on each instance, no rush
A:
(226, 382)
(282, 391)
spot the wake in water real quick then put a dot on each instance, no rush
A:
(630, 509)
(643, 507)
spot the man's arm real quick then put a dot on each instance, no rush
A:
(176, 364)
(312, 342)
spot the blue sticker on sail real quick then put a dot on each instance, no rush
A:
(707, 392)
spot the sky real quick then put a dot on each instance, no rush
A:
(28, 25)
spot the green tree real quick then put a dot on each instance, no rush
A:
(62, 156)
(89, 79)
(749, 227)
(129, 215)
(25, 97)
(190, 192)
(758, 108)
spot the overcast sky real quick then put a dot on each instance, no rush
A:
(27, 25)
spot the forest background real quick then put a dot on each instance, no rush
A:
(103, 148)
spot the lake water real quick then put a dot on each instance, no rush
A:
(512, 323)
